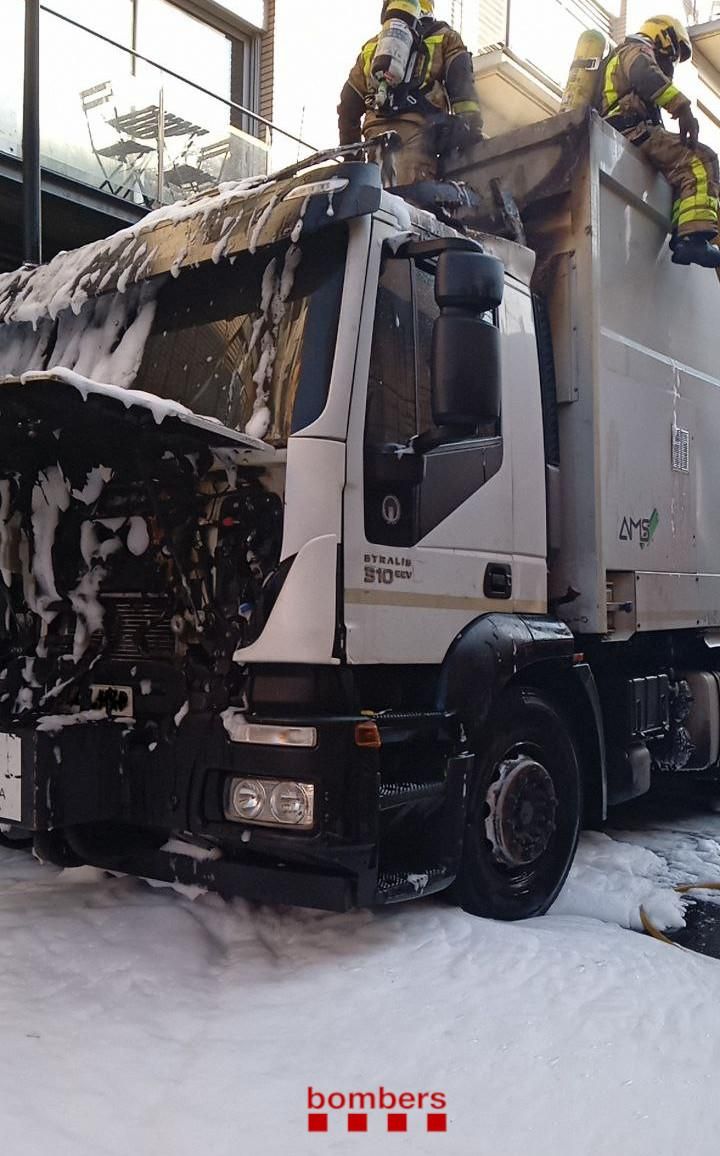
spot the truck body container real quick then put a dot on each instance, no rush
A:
(637, 378)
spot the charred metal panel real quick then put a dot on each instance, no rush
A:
(216, 225)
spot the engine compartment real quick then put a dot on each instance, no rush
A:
(136, 556)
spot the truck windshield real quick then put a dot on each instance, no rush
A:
(251, 343)
(249, 340)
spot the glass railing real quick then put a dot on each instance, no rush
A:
(120, 123)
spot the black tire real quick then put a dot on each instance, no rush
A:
(524, 810)
(52, 847)
(16, 842)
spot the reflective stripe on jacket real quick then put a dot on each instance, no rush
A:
(634, 87)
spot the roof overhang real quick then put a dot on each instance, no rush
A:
(706, 42)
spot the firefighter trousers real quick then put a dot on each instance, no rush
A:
(414, 159)
(693, 173)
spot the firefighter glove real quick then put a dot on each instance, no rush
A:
(689, 127)
(473, 122)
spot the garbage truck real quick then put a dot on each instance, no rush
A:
(348, 555)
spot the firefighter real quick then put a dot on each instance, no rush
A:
(435, 112)
(637, 82)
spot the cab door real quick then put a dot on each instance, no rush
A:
(429, 540)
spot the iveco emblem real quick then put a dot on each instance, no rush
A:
(391, 510)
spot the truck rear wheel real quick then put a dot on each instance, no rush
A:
(524, 811)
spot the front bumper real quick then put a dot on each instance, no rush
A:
(233, 878)
(117, 799)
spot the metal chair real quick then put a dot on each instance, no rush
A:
(194, 177)
(123, 161)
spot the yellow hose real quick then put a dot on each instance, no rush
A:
(682, 889)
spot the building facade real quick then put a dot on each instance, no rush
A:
(526, 49)
(141, 103)
(145, 102)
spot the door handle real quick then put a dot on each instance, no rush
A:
(498, 580)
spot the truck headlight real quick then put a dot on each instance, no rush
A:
(289, 803)
(247, 799)
(270, 802)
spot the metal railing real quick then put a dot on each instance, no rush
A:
(123, 123)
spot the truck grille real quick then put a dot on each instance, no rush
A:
(138, 627)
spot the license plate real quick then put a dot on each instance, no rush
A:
(116, 700)
(10, 778)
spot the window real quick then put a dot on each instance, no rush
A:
(253, 11)
(399, 382)
(224, 335)
(195, 51)
(399, 404)
(407, 493)
(113, 18)
(391, 416)
(205, 55)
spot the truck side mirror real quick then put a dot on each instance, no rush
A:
(469, 280)
(466, 358)
(466, 380)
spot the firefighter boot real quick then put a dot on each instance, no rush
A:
(695, 249)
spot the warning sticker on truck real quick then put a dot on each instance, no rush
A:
(10, 778)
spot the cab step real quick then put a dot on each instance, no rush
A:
(406, 726)
(404, 716)
(400, 794)
(397, 886)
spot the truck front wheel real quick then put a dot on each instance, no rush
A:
(523, 811)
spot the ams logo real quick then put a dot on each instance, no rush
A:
(641, 530)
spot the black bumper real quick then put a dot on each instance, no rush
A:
(232, 879)
(118, 799)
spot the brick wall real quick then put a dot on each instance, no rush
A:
(267, 63)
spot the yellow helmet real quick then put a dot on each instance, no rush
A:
(427, 7)
(669, 36)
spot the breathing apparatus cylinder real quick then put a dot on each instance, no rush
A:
(396, 46)
(582, 85)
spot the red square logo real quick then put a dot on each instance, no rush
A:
(437, 1122)
(357, 1122)
(397, 1122)
(318, 1122)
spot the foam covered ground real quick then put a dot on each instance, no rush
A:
(136, 1021)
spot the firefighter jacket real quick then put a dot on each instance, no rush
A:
(634, 88)
(443, 83)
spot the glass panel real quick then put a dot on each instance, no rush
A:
(200, 54)
(427, 310)
(116, 124)
(112, 18)
(391, 416)
(72, 104)
(252, 343)
(11, 77)
(101, 121)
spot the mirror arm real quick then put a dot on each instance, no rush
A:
(430, 439)
(416, 250)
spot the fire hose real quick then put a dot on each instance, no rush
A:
(681, 889)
